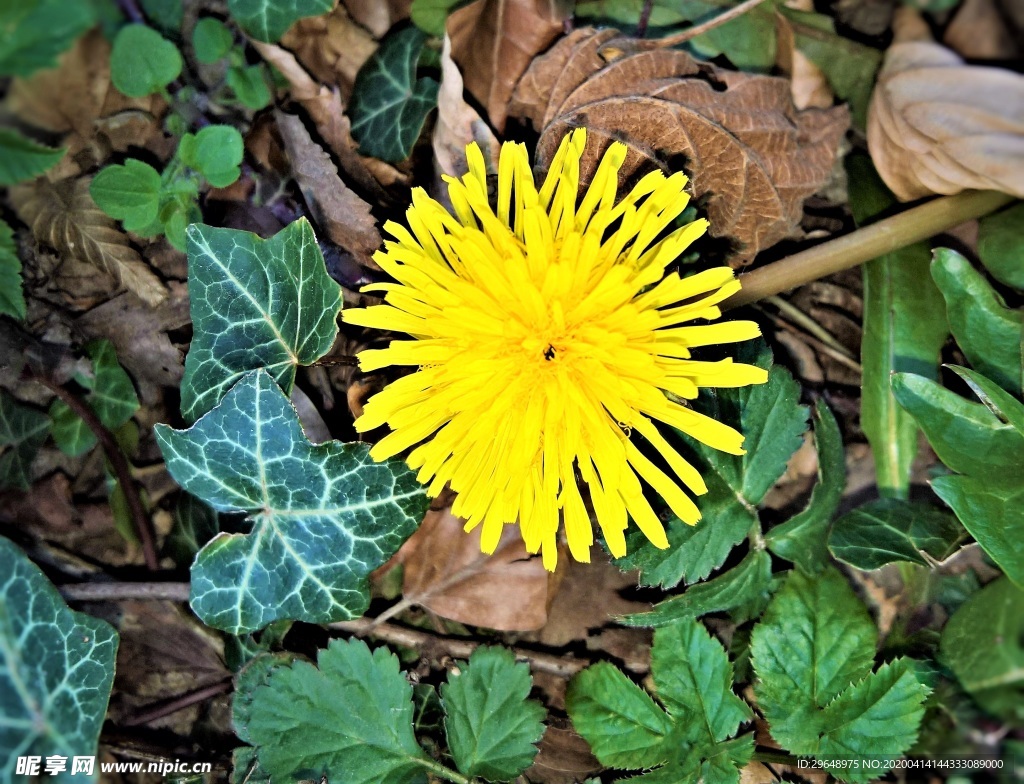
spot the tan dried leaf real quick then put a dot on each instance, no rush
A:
(378, 16)
(807, 83)
(63, 216)
(340, 213)
(937, 125)
(494, 41)
(749, 153)
(332, 47)
(980, 32)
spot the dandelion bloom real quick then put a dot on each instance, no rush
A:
(547, 339)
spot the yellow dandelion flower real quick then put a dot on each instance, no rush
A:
(547, 340)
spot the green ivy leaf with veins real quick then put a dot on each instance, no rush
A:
(255, 304)
(56, 670)
(267, 20)
(324, 516)
(22, 431)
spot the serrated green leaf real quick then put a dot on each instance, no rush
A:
(215, 152)
(1001, 245)
(12, 299)
(349, 719)
(389, 104)
(890, 530)
(128, 192)
(142, 61)
(993, 513)
(324, 516)
(249, 84)
(983, 644)
(267, 20)
(430, 15)
(211, 39)
(749, 581)
(283, 309)
(56, 669)
(22, 159)
(22, 431)
(803, 538)
(491, 726)
(904, 330)
(989, 333)
(966, 436)
(250, 678)
(34, 32)
(622, 724)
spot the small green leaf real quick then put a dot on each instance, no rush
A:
(389, 104)
(142, 61)
(749, 581)
(267, 20)
(749, 41)
(989, 333)
(890, 530)
(56, 670)
(1000, 246)
(983, 644)
(215, 152)
(323, 516)
(802, 539)
(349, 719)
(165, 14)
(211, 39)
(22, 431)
(249, 84)
(284, 309)
(129, 193)
(491, 726)
(430, 15)
(12, 300)
(34, 32)
(22, 159)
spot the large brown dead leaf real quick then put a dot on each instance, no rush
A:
(446, 573)
(338, 212)
(937, 125)
(63, 216)
(493, 41)
(332, 47)
(749, 153)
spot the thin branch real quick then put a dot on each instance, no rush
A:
(125, 591)
(118, 462)
(791, 312)
(913, 225)
(711, 24)
(162, 708)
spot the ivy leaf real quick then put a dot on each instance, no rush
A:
(283, 309)
(389, 104)
(22, 159)
(693, 679)
(22, 431)
(490, 724)
(983, 644)
(891, 530)
(324, 516)
(36, 31)
(812, 653)
(215, 152)
(349, 719)
(999, 245)
(989, 333)
(211, 40)
(802, 539)
(267, 20)
(56, 669)
(142, 61)
(128, 192)
(12, 300)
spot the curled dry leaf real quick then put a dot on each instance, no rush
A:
(493, 41)
(340, 213)
(446, 573)
(332, 47)
(937, 125)
(749, 153)
(63, 216)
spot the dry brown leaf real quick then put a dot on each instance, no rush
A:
(332, 47)
(63, 216)
(458, 123)
(563, 757)
(376, 16)
(339, 213)
(978, 31)
(807, 83)
(747, 150)
(494, 41)
(937, 125)
(446, 573)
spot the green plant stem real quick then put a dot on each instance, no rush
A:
(913, 225)
(446, 773)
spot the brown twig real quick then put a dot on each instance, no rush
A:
(125, 591)
(645, 18)
(118, 462)
(711, 24)
(161, 708)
